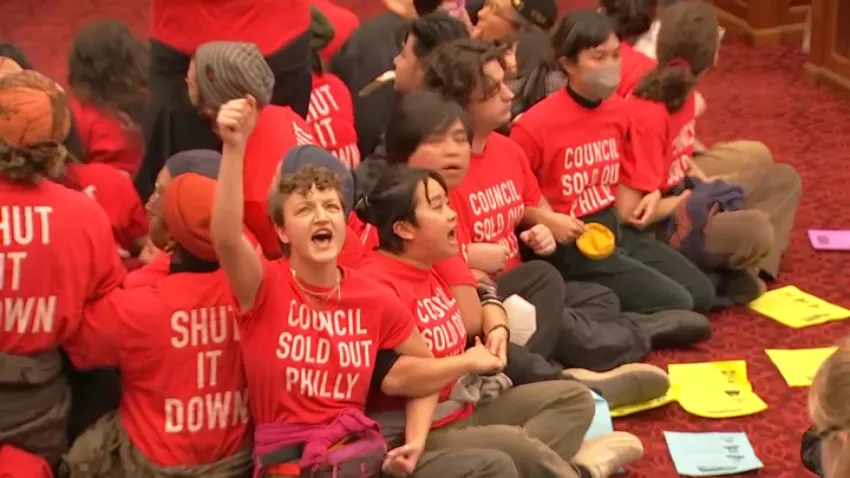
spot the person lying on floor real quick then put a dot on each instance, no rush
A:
(736, 228)
(108, 76)
(162, 337)
(541, 425)
(828, 399)
(572, 143)
(291, 409)
(60, 252)
(578, 325)
(633, 19)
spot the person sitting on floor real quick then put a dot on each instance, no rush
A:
(176, 345)
(572, 143)
(739, 229)
(540, 425)
(59, 254)
(828, 399)
(108, 76)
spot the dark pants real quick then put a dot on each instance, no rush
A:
(579, 324)
(646, 275)
(173, 125)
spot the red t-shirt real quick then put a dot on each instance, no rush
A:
(344, 22)
(183, 394)
(106, 140)
(278, 129)
(574, 152)
(491, 200)
(149, 273)
(114, 191)
(331, 115)
(633, 66)
(187, 24)
(659, 145)
(57, 253)
(305, 363)
(431, 301)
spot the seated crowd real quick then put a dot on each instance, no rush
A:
(276, 262)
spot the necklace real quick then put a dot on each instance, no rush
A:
(320, 296)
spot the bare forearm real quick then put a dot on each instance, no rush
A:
(229, 198)
(469, 307)
(418, 415)
(420, 377)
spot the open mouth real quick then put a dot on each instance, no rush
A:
(453, 234)
(322, 237)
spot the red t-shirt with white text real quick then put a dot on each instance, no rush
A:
(492, 198)
(184, 399)
(331, 115)
(278, 130)
(574, 152)
(114, 191)
(106, 139)
(57, 253)
(437, 316)
(306, 361)
(634, 65)
(187, 24)
(659, 145)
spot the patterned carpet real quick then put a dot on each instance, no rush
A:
(755, 94)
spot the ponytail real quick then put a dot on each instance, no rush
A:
(671, 84)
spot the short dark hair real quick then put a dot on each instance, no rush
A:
(687, 43)
(108, 66)
(433, 29)
(632, 17)
(417, 116)
(14, 53)
(455, 69)
(299, 182)
(393, 199)
(580, 30)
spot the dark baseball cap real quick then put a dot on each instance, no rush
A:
(540, 13)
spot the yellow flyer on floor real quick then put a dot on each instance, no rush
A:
(715, 389)
(798, 367)
(797, 309)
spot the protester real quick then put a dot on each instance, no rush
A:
(45, 227)
(108, 77)
(176, 346)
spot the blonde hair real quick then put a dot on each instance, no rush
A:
(829, 405)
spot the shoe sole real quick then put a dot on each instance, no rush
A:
(625, 385)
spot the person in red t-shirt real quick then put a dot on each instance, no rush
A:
(312, 366)
(58, 254)
(658, 175)
(417, 229)
(331, 112)
(108, 74)
(573, 141)
(184, 400)
(221, 71)
(178, 28)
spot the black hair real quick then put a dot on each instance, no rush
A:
(14, 53)
(687, 44)
(456, 69)
(579, 31)
(417, 116)
(432, 30)
(424, 7)
(108, 66)
(392, 198)
(632, 17)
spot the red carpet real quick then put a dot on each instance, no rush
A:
(756, 94)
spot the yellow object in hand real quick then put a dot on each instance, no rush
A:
(597, 242)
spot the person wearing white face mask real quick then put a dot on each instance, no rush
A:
(574, 141)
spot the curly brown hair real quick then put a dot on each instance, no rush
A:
(688, 40)
(307, 177)
(456, 70)
(108, 66)
(28, 165)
